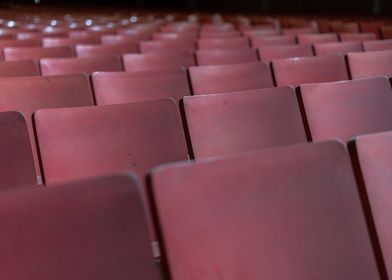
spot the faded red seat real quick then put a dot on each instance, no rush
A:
(223, 124)
(23, 53)
(126, 38)
(112, 49)
(373, 157)
(377, 45)
(12, 43)
(70, 42)
(310, 39)
(134, 136)
(370, 64)
(344, 27)
(258, 41)
(87, 229)
(19, 68)
(28, 94)
(347, 109)
(269, 53)
(386, 32)
(230, 78)
(158, 60)
(175, 36)
(117, 88)
(296, 71)
(226, 56)
(345, 37)
(224, 43)
(287, 213)
(167, 45)
(341, 48)
(88, 65)
(16, 157)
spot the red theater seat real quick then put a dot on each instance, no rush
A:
(226, 56)
(223, 124)
(91, 229)
(341, 48)
(386, 32)
(345, 37)
(19, 68)
(129, 38)
(117, 88)
(373, 154)
(344, 27)
(167, 45)
(269, 53)
(135, 136)
(310, 39)
(158, 60)
(370, 64)
(377, 45)
(287, 213)
(230, 78)
(70, 42)
(346, 109)
(174, 36)
(296, 71)
(113, 49)
(22, 53)
(16, 157)
(12, 43)
(28, 94)
(258, 41)
(224, 43)
(88, 65)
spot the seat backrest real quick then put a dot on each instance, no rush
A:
(223, 43)
(258, 41)
(71, 42)
(373, 156)
(377, 45)
(370, 64)
(287, 213)
(347, 109)
(126, 87)
(125, 38)
(19, 68)
(28, 94)
(12, 43)
(23, 53)
(230, 78)
(16, 157)
(296, 71)
(310, 39)
(269, 53)
(341, 48)
(226, 56)
(345, 37)
(87, 229)
(112, 49)
(167, 45)
(157, 60)
(134, 136)
(88, 65)
(228, 123)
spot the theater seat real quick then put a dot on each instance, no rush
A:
(377, 45)
(296, 71)
(158, 60)
(117, 88)
(287, 213)
(310, 39)
(275, 40)
(113, 49)
(370, 64)
(134, 136)
(91, 229)
(228, 123)
(347, 109)
(230, 78)
(19, 68)
(167, 45)
(88, 65)
(71, 42)
(23, 53)
(16, 157)
(226, 56)
(269, 53)
(28, 94)
(341, 48)
(373, 157)
(223, 43)
(346, 37)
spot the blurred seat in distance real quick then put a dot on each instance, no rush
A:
(167, 45)
(296, 71)
(16, 157)
(88, 65)
(28, 94)
(269, 53)
(228, 123)
(226, 56)
(377, 45)
(386, 32)
(90, 229)
(158, 60)
(23, 53)
(19, 68)
(275, 40)
(230, 78)
(286, 213)
(310, 39)
(113, 49)
(373, 157)
(347, 109)
(134, 136)
(345, 37)
(370, 64)
(223, 43)
(13, 43)
(126, 87)
(70, 42)
(341, 48)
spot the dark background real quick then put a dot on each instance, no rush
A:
(321, 7)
